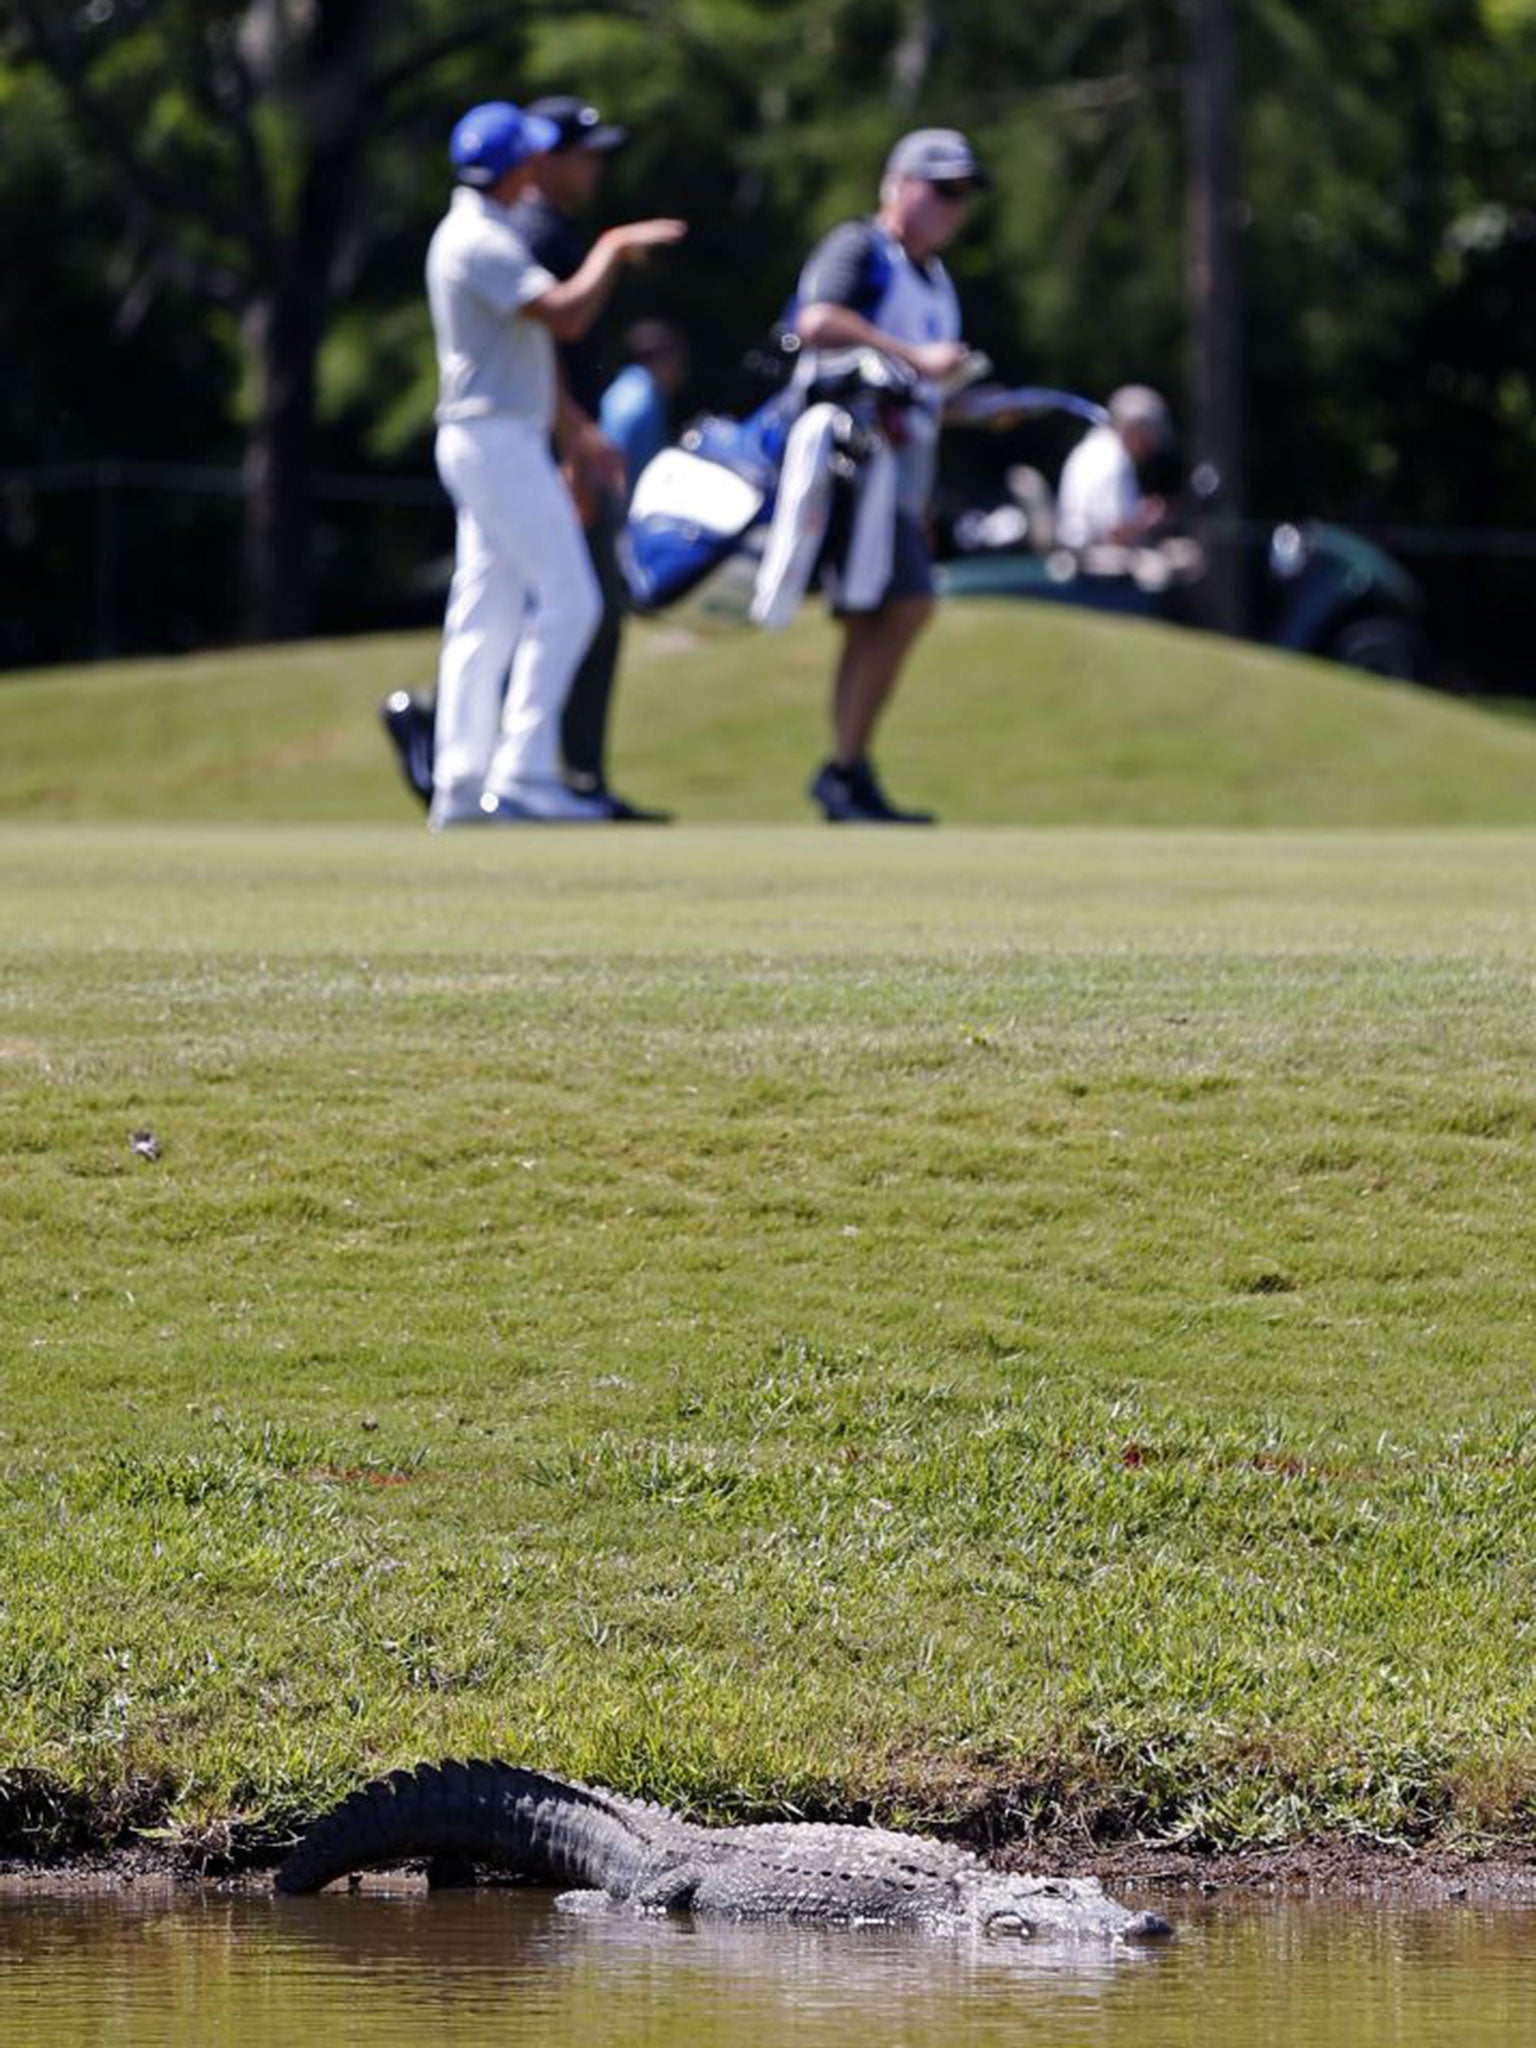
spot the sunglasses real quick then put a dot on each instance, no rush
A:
(951, 189)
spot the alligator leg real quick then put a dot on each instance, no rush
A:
(668, 1891)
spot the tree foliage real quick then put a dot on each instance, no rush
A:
(219, 210)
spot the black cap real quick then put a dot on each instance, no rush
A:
(581, 126)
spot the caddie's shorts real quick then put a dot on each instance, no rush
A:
(911, 566)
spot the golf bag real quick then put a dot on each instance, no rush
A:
(717, 501)
(714, 497)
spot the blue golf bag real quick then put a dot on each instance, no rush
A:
(712, 497)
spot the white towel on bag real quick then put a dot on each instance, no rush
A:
(800, 515)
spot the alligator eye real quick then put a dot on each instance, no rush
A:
(1146, 1927)
(1007, 1924)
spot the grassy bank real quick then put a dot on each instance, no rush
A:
(1035, 1321)
(1012, 715)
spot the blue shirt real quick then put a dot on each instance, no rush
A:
(633, 415)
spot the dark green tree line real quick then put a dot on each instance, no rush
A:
(217, 210)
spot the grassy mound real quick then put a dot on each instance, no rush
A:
(1012, 714)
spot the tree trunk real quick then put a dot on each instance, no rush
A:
(283, 339)
(912, 58)
(285, 322)
(1213, 292)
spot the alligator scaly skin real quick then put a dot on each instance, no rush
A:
(550, 1831)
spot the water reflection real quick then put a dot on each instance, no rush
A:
(202, 1967)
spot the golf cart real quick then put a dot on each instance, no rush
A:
(1313, 587)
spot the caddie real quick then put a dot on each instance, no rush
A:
(524, 597)
(879, 283)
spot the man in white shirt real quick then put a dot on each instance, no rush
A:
(524, 594)
(1100, 497)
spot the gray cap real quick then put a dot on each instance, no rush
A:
(941, 153)
(1138, 405)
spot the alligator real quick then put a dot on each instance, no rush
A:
(458, 1816)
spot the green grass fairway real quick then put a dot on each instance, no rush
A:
(1013, 714)
(1014, 1320)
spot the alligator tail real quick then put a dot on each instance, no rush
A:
(541, 1828)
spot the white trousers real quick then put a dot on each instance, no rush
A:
(524, 597)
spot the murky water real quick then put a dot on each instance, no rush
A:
(206, 1968)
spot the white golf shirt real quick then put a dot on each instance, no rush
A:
(1098, 490)
(480, 274)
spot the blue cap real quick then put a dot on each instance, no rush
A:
(495, 138)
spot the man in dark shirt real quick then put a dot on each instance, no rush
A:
(567, 181)
(880, 283)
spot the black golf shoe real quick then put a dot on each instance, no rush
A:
(853, 796)
(409, 719)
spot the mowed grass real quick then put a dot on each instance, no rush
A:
(1026, 1325)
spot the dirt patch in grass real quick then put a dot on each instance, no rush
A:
(1327, 1869)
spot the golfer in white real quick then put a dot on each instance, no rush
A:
(524, 596)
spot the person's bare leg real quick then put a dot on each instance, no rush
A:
(875, 646)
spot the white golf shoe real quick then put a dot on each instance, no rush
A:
(535, 800)
(458, 805)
